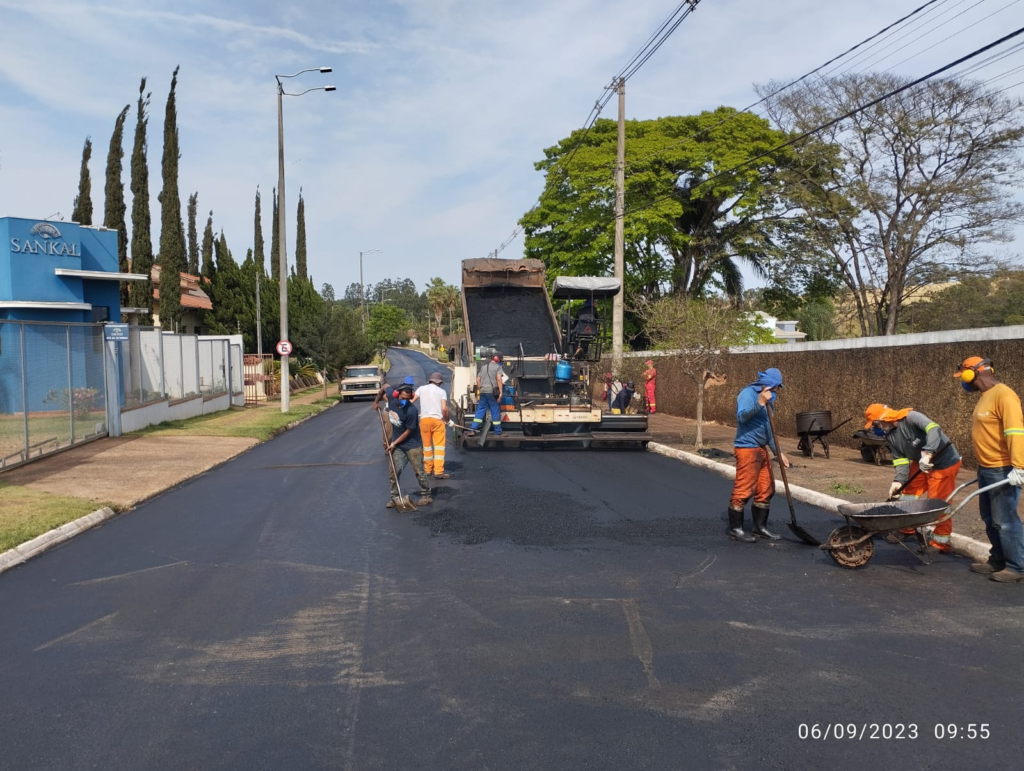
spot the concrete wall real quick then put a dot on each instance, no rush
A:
(138, 418)
(844, 376)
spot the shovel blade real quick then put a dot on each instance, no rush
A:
(405, 507)
(803, 535)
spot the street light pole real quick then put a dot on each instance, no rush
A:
(362, 286)
(282, 241)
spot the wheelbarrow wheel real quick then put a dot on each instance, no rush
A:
(867, 454)
(850, 557)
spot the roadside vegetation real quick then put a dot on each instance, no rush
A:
(26, 513)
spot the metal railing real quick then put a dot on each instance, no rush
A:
(53, 388)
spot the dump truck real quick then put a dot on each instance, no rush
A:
(548, 360)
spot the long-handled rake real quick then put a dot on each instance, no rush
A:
(403, 504)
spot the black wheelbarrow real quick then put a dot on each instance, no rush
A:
(814, 427)
(852, 545)
(873, 448)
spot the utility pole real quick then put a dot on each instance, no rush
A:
(620, 206)
(362, 292)
(283, 254)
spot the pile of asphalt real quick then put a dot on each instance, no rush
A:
(504, 319)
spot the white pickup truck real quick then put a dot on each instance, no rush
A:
(364, 380)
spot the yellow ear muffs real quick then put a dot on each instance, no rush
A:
(968, 375)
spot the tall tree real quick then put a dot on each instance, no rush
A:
(209, 268)
(257, 242)
(114, 208)
(193, 235)
(141, 292)
(687, 229)
(82, 212)
(918, 188)
(275, 244)
(300, 239)
(172, 242)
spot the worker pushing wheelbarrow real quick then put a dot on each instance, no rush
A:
(852, 545)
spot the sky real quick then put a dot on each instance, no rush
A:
(426, 149)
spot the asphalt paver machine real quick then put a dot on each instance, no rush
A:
(548, 360)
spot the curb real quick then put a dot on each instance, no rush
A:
(26, 551)
(961, 544)
(41, 543)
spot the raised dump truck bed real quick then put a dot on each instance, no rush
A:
(507, 309)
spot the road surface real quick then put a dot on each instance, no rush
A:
(552, 609)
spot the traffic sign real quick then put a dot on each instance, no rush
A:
(284, 348)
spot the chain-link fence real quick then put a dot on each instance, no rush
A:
(53, 390)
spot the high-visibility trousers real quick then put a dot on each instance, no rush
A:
(649, 387)
(940, 483)
(434, 434)
(753, 477)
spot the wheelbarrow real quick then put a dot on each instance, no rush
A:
(852, 545)
(873, 448)
(814, 427)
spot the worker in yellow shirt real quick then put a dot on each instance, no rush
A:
(997, 433)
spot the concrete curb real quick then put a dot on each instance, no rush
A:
(961, 544)
(26, 551)
(41, 543)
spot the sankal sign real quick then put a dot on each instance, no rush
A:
(45, 238)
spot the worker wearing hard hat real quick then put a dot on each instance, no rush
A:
(924, 460)
(997, 433)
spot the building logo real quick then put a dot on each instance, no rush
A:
(44, 238)
(45, 230)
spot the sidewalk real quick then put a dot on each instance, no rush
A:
(843, 475)
(124, 471)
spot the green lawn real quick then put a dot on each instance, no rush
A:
(26, 513)
(253, 422)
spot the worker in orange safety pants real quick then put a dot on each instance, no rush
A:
(918, 443)
(650, 376)
(433, 404)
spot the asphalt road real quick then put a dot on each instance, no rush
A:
(553, 609)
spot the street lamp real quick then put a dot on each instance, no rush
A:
(283, 253)
(362, 286)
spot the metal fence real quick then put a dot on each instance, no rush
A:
(53, 387)
(157, 365)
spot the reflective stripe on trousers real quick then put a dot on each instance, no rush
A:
(434, 434)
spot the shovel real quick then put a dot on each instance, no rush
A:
(798, 531)
(403, 504)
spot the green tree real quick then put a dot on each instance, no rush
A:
(685, 230)
(114, 208)
(917, 187)
(234, 309)
(300, 239)
(697, 331)
(172, 241)
(818, 319)
(82, 211)
(257, 243)
(193, 236)
(387, 325)
(209, 267)
(275, 243)
(141, 292)
(439, 300)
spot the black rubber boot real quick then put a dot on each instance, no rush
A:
(760, 516)
(736, 531)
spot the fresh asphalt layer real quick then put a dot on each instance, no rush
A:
(553, 609)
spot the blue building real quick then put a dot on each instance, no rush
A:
(55, 273)
(59, 271)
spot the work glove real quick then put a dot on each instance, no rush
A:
(925, 464)
(1016, 477)
(451, 423)
(894, 490)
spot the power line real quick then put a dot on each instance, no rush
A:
(845, 116)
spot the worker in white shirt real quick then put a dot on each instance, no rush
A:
(433, 405)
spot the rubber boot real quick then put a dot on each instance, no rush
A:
(759, 514)
(736, 531)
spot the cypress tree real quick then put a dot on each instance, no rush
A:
(300, 239)
(258, 234)
(141, 292)
(275, 244)
(193, 235)
(82, 212)
(172, 241)
(113, 205)
(208, 266)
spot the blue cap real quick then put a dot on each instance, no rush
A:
(409, 381)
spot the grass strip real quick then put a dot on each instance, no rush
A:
(260, 423)
(26, 513)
